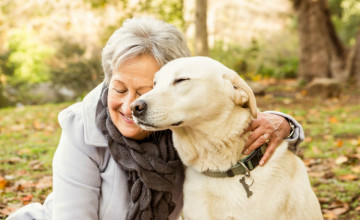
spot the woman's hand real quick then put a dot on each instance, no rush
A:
(267, 128)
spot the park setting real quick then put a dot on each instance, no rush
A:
(300, 57)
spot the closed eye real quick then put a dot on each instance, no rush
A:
(179, 80)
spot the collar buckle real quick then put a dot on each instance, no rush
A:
(247, 171)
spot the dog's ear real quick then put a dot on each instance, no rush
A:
(242, 93)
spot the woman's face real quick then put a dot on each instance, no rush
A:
(133, 78)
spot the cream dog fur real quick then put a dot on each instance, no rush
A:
(208, 106)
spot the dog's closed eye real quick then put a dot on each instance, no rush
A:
(178, 80)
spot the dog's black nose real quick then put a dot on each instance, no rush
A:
(138, 107)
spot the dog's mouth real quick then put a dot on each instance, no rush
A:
(148, 126)
(177, 123)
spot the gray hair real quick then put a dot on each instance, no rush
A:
(143, 36)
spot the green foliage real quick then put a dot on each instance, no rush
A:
(346, 17)
(100, 3)
(170, 11)
(254, 62)
(74, 69)
(25, 61)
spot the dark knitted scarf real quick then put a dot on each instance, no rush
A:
(151, 166)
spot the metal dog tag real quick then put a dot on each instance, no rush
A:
(246, 187)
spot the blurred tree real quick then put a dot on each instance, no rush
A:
(71, 69)
(355, 62)
(346, 17)
(201, 35)
(322, 52)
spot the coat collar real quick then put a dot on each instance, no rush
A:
(92, 134)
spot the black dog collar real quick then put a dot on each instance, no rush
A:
(243, 166)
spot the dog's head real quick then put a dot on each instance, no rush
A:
(191, 90)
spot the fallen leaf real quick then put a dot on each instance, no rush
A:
(3, 182)
(17, 127)
(329, 175)
(323, 200)
(356, 169)
(341, 159)
(38, 125)
(310, 162)
(22, 184)
(13, 160)
(348, 177)
(304, 92)
(36, 165)
(333, 120)
(339, 143)
(355, 156)
(44, 183)
(336, 204)
(10, 208)
(329, 214)
(27, 199)
(316, 150)
(268, 96)
(342, 210)
(9, 177)
(354, 142)
(344, 115)
(308, 139)
(24, 151)
(316, 174)
(327, 136)
(287, 101)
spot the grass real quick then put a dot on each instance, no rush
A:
(29, 136)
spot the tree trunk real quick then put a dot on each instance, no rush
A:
(201, 35)
(355, 61)
(322, 54)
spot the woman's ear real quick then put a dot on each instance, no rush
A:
(242, 93)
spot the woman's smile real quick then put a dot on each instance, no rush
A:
(127, 119)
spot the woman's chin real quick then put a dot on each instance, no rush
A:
(134, 132)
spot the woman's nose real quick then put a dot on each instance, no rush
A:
(127, 102)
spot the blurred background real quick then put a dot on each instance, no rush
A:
(301, 57)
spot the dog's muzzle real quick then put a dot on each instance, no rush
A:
(138, 108)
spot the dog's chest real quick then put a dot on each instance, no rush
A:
(226, 198)
(219, 198)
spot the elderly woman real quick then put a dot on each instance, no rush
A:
(106, 167)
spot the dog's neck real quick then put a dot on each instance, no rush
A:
(215, 145)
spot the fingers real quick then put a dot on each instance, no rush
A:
(272, 145)
(256, 140)
(267, 128)
(252, 126)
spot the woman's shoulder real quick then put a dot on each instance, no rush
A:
(73, 138)
(71, 118)
(79, 120)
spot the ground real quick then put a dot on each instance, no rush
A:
(331, 150)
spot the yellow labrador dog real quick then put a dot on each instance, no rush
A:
(207, 106)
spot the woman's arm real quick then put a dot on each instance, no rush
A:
(76, 174)
(273, 127)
